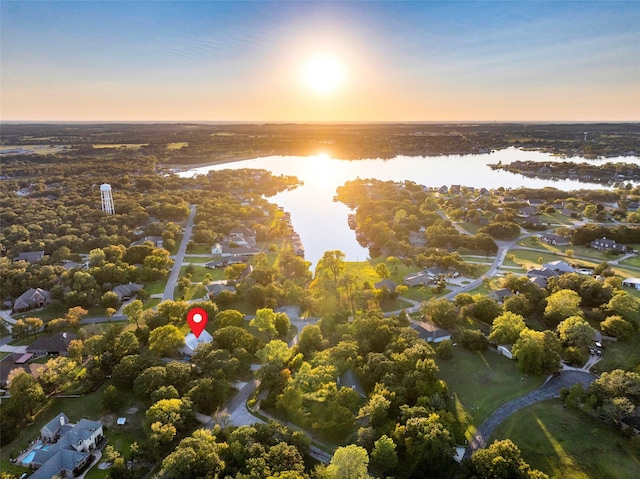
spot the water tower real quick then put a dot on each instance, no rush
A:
(107, 199)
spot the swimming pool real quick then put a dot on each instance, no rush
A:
(29, 457)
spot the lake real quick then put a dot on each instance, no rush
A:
(322, 223)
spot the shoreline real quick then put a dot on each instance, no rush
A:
(191, 166)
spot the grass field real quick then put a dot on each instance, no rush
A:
(177, 145)
(200, 271)
(569, 444)
(200, 249)
(621, 354)
(481, 382)
(156, 287)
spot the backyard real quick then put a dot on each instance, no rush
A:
(568, 444)
(480, 382)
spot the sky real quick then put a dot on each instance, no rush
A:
(384, 61)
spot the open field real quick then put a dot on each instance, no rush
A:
(480, 382)
(127, 146)
(177, 145)
(156, 287)
(569, 444)
(200, 249)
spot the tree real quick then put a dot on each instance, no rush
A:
(617, 327)
(575, 331)
(26, 393)
(384, 457)
(537, 352)
(561, 305)
(75, 349)
(57, 373)
(484, 308)
(165, 340)
(265, 321)
(349, 462)
(110, 312)
(441, 312)
(622, 304)
(110, 300)
(229, 317)
(282, 324)
(444, 350)
(383, 271)
(474, 340)
(174, 412)
(126, 344)
(112, 399)
(506, 328)
(133, 311)
(196, 456)
(176, 311)
(26, 327)
(501, 460)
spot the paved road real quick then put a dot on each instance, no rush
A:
(179, 257)
(550, 389)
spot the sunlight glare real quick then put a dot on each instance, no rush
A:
(323, 74)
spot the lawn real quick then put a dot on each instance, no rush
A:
(395, 305)
(528, 258)
(195, 259)
(200, 249)
(156, 287)
(177, 145)
(422, 293)
(568, 444)
(128, 146)
(478, 259)
(481, 382)
(199, 273)
(621, 354)
(472, 228)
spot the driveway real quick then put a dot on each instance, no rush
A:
(550, 389)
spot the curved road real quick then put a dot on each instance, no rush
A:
(550, 389)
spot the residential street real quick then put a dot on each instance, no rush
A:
(179, 257)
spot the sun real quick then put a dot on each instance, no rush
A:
(323, 74)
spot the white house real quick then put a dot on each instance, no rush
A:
(631, 283)
(191, 342)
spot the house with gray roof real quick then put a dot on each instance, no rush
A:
(214, 289)
(386, 283)
(57, 343)
(32, 298)
(554, 239)
(127, 291)
(500, 294)
(67, 447)
(429, 332)
(30, 256)
(604, 244)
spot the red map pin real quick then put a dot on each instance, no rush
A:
(197, 319)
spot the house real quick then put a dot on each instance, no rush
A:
(67, 448)
(605, 244)
(505, 350)
(30, 256)
(536, 202)
(528, 211)
(541, 272)
(214, 289)
(417, 238)
(430, 332)
(156, 241)
(16, 363)
(560, 267)
(32, 298)
(127, 291)
(500, 294)
(554, 239)
(631, 283)
(57, 343)
(68, 265)
(443, 190)
(539, 281)
(349, 380)
(191, 342)
(386, 283)
(417, 279)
